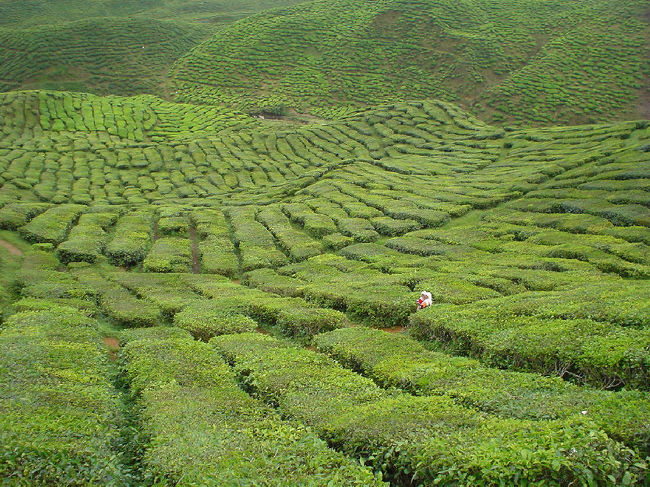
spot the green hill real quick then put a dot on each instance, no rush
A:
(37, 12)
(517, 61)
(202, 221)
(106, 47)
(214, 234)
(108, 55)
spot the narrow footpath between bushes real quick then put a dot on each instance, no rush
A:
(12, 249)
(113, 345)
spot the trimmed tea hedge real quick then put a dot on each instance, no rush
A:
(199, 428)
(131, 240)
(60, 413)
(169, 254)
(87, 239)
(421, 439)
(53, 225)
(399, 361)
(204, 320)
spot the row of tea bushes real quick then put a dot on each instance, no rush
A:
(204, 320)
(297, 245)
(167, 291)
(199, 428)
(579, 333)
(335, 282)
(131, 238)
(295, 317)
(117, 302)
(255, 243)
(87, 239)
(53, 225)
(169, 254)
(421, 439)
(216, 248)
(60, 412)
(15, 215)
(396, 360)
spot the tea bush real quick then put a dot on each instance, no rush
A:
(409, 437)
(203, 320)
(188, 390)
(60, 413)
(400, 361)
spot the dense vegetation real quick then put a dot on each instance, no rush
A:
(106, 46)
(191, 295)
(520, 61)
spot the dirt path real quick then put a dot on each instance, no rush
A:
(394, 329)
(12, 249)
(113, 345)
(196, 265)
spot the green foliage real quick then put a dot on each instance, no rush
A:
(104, 55)
(131, 239)
(216, 249)
(581, 335)
(553, 63)
(294, 316)
(255, 243)
(59, 410)
(53, 225)
(169, 254)
(184, 390)
(534, 243)
(296, 244)
(124, 308)
(400, 361)
(204, 320)
(87, 239)
(426, 439)
(15, 215)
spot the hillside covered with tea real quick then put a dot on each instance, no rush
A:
(542, 62)
(210, 257)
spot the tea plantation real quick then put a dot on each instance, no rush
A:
(106, 47)
(221, 290)
(542, 62)
(199, 231)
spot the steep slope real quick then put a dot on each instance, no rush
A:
(325, 56)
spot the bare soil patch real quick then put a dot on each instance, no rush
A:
(113, 345)
(12, 249)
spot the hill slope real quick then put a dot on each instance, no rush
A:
(194, 222)
(106, 47)
(541, 62)
(108, 55)
(37, 12)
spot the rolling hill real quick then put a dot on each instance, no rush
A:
(215, 225)
(203, 222)
(517, 61)
(105, 47)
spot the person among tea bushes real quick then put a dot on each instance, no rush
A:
(425, 300)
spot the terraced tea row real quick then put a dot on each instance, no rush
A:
(399, 361)
(208, 306)
(60, 412)
(184, 390)
(425, 439)
(37, 12)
